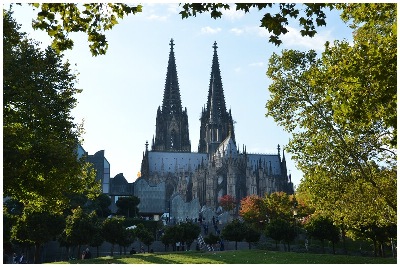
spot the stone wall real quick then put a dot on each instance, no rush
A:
(180, 210)
(152, 198)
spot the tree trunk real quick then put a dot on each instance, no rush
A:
(333, 247)
(79, 252)
(67, 248)
(37, 253)
(393, 248)
(344, 240)
(381, 249)
(97, 251)
(375, 247)
(249, 245)
(323, 248)
(288, 243)
(236, 245)
(112, 249)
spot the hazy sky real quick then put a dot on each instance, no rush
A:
(123, 89)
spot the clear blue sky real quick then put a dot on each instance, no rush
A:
(123, 89)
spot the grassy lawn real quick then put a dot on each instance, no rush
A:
(235, 257)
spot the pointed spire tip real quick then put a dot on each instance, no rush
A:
(215, 46)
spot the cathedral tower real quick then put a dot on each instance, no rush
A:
(216, 122)
(172, 127)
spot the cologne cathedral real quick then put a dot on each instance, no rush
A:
(218, 167)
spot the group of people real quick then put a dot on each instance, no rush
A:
(86, 254)
(215, 222)
(18, 259)
(133, 251)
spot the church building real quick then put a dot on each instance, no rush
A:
(171, 170)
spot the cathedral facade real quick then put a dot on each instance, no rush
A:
(218, 167)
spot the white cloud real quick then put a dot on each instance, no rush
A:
(294, 38)
(262, 32)
(232, 13)
(173, 9)
(237, 31)
(255, 30)
(209, 30)
(257, 64)
(157, 17)
(238, 69)
(160, 12)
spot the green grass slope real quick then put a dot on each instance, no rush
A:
(235, 257)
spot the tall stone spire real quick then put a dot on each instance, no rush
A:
(172, 127)
(216, 98)
(172, 97)
(216, 122)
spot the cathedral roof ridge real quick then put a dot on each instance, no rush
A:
(178, 151)
(262, 154)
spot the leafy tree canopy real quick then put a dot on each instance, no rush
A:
(227, 202)
(114, 231)
(321, 227)
(211, 239)
(234, 231)
(37, 228)
(80, 227)
(253, 210)
(128, 206)
(341, 110)
(41, 167)
(93, 19)
(313, 16)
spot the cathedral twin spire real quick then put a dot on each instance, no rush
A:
(172, 97)
(216, 122)
(172, 129)
(216, 99)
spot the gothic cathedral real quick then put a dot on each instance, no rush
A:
(219, 167)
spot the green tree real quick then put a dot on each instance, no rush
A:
(379, 235)
(97, 239)
(341, 110)
(113, 230)
(101, 205)
(280, 205)
(190, 232)
(171, 236)
(234, 231)
(40, 163)
(127, 206)
(321, 228)
(211, 239)
(144, 235)
(80, 228)
(127, 238)
(38, 227)
(252, 235)
(166, 238)
(279, 229)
